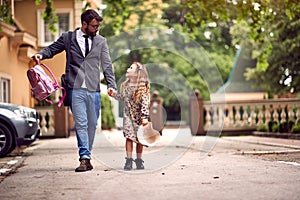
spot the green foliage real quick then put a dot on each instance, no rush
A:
(224, 63)
(269, 27)
(49, 15)
(45, 103)
(283, 127)
(273, 34)
(107, 116)
(275, 128)
(296, 129)
(114, 16)
(123, 16)
(5, 14)
(262, 128)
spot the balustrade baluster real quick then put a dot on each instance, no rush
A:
(207, 119)
(260, 116)
(267, 116)
(43, 124)
(245, 118)
(275, 116)
(51, 129)
(221, 115)
(216, 116)
(47, 120)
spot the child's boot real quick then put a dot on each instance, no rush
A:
(139, 163)
(128, 164)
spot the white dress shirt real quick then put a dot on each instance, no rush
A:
(81, 43)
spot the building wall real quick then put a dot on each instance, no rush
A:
(57, 64)
(14, 69)
(26, 13)
(15, 56)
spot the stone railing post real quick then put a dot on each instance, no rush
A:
(156, 112)
(61, 121)
(196, 120)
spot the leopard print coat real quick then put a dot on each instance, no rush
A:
(133, 113)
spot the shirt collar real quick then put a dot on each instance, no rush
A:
(81, 34)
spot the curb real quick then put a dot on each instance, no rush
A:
(295, 136)
(11, 166)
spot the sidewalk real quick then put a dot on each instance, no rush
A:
(177, 168)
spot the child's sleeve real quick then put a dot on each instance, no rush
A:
(145, 107)
(119, 96)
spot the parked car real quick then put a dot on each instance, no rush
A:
(19, 126)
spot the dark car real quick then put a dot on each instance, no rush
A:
(19, 126)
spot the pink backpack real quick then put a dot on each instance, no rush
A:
(42, 85)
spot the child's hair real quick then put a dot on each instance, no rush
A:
(143, 83)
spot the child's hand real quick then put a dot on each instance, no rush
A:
(144, 122)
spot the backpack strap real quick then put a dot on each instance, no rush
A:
(68, 51)
(48, 69)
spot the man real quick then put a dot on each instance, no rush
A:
(85, 52)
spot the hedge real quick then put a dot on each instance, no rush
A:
(107, 116)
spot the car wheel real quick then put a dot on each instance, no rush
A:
(5, 140)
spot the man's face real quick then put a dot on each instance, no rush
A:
(91, 28)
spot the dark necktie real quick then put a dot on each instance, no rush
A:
(86, 44)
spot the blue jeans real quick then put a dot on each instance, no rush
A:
(85, 107)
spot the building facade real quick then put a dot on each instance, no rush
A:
(29, 34)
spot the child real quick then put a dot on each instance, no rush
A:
(135, 92)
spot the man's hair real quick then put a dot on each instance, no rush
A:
(88, 15)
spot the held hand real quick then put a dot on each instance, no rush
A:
(144, 122)
(111, 92)
(37, 57)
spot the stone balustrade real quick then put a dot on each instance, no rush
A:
(233, 116)
(46, 115)
(246, 116)
(54, 121)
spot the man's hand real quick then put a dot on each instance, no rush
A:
(37, 57)
(111, 92)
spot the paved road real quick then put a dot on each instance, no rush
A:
(180, 166)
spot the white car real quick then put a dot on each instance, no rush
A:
(19, 126)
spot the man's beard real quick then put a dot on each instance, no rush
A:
(88, 32)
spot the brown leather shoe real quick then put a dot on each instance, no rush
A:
(89, 165)
(85, 165)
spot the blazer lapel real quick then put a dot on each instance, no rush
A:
(96, 42)
(74, 41)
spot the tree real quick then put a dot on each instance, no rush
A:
(121, 17)
(284, 56)
(5, 12)
(272, 36)
(208, 22)
(49, 15)
(268, 27)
